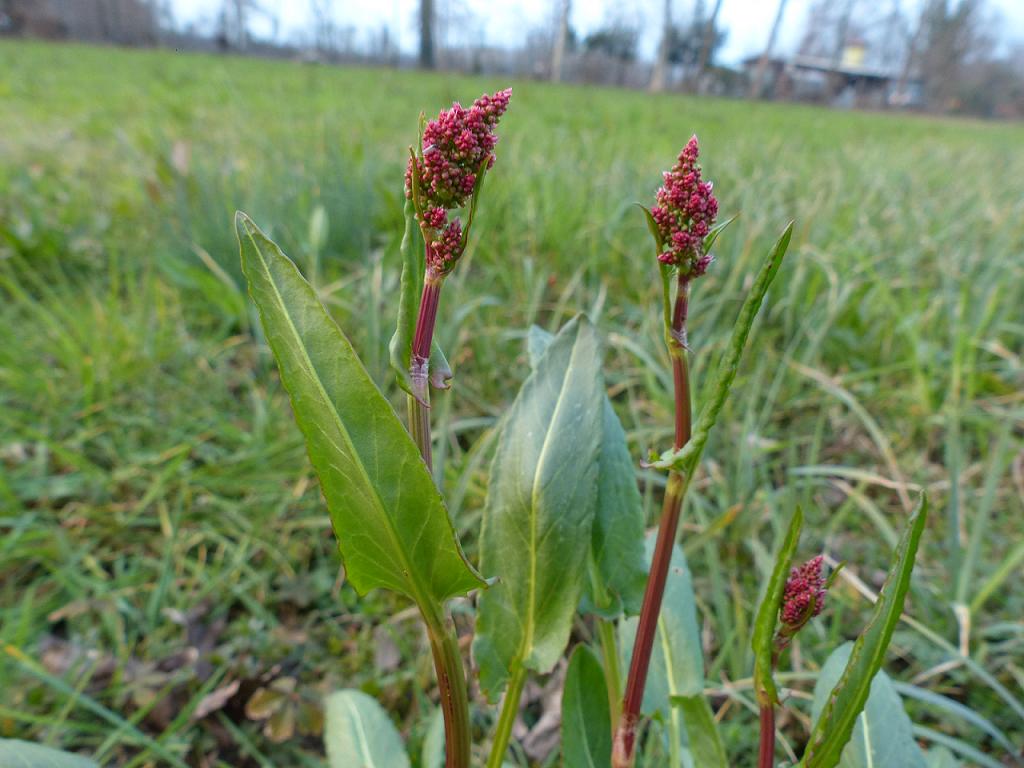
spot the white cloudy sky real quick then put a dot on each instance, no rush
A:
(507, 21)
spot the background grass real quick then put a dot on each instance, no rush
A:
(162, 535)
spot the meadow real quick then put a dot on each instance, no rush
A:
(170, 591)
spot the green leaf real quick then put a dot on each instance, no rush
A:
(677, 661)
(883, 734)
(652, 227)
(686, 458)
(24, 754)
(763, 641)
(586, 722)
(712, 236)
(391, 524)
(432, 754)
(410, 293)
(703, 738)
(540, 510)
(359, 734)
(940, 757)
(618, 570)
(835, 724)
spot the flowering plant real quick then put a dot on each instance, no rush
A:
(562, 541)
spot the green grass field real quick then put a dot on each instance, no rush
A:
(161, 532)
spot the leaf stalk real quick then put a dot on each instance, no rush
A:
(507, 718)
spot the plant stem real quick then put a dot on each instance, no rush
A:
(766, 751)
(419, 369)
(612, 673)
(509, 710)
(444, 642)
(451, 682)
(625, 734)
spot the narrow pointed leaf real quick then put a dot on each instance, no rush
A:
(712, 236)
(410, 292)
(618, 571)
(391, 524)
(586, 723)
(702, 736)
(685, 459)
(768, 614)
(359, 734)
(834, 725)
(540, 510)
(883, 734)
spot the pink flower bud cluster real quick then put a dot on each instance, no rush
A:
(445, 250)
(685, 213)
(456, 146)
(804, 596)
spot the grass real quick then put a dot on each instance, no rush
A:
(161, 533)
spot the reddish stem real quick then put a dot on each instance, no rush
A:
(766, 751)
(647, 626)
(419, 368)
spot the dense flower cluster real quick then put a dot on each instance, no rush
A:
(456, 146)
(685, 213)
(804, 596)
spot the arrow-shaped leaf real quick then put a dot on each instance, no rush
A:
(390, 521)
(835, 724)
(540, 510)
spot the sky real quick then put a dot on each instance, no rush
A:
(506, 22)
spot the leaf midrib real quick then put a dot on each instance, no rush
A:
(534, 500)
(416, 595)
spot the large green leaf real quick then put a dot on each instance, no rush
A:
(702, 736)
(24, 754)
(359, 734)
(618, 571)
(540, 510)
(391, 523)
(409, 294)
(763, 641)
(883, 734)
(586, 722)
(834, 725)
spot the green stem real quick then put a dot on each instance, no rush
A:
(451, 682)
(419, 426)
(509, 710)
(612, 672)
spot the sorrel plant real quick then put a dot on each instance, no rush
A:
(563, 529)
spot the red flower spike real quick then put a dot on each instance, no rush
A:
(804, 596)
(684, 215)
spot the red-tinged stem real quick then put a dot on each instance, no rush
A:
(451, 683)
(444, 644)
(766, 751)
(419, 369)
(624, 750)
